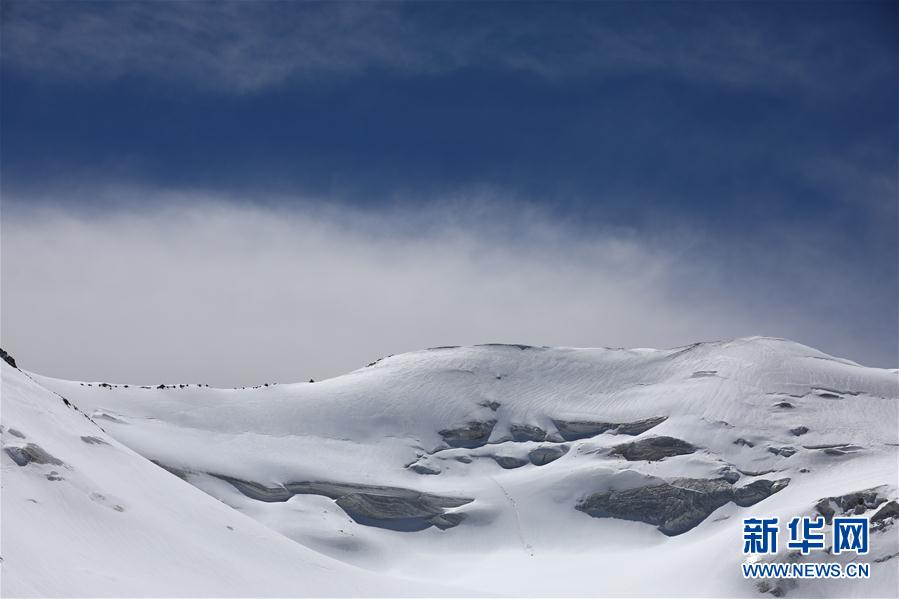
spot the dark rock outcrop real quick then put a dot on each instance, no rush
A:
(700, 374)
(799, 431)
(471, 434)
(639, 426)
(423, 469)
(782, 451)
(91, 440)
(729, 474)
(393, 512)
(837, 449)
(179, 472)
(677, 506)
(857, 502)
(509, 462)
(395, 508)
(509, 345)
(653, 448)
(526, 432)
(7, 358)
(447, 520)
(757, 490)
(31, 453)
(544, 455)
(574, 430)
(889, 510)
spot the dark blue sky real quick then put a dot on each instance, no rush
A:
(718, 110)
(766, 121)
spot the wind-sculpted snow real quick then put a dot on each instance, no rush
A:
(509, 470)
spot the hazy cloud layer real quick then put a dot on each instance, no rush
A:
(247, 46)
(231, 295)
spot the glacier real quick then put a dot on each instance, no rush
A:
(504, 470)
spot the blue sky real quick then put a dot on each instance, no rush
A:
(752, 143)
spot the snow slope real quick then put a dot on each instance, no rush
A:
(98, 519)
(423, 466)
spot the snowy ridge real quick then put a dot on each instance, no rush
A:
(498, 469)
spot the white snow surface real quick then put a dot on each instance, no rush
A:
(118, 524)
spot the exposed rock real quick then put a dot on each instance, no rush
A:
(729, 474)
(836, 449)
(850, 503)
(674, 507)
(699, 374)
(755, 472)
(782, 451)
(16, 433)
(395, 508)
(260, 492)
(653, 448)
(7, 358)
(508, 462)
(395, 513)
(784, 404)
(757, 490)
(639, 426)
(799, 431)
(447, 520)
(574, 430)
(464, 459)
(544, 455)
(104, 415)
(472, 434)
(890, 510)
(526, 432)
(518, 345)
(182, 474)
(31, 453)
(423, 469)
(744, 442)
(493, 405)
(833, 393)
(91, 440)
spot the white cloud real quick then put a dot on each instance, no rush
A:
(205, 290)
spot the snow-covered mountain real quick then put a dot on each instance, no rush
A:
(487, 470)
